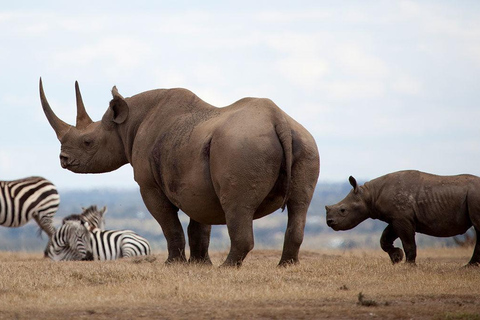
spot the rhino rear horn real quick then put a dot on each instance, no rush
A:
(57, 124)
(83, 119)
(353, 182)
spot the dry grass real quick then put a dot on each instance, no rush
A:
(327, 284)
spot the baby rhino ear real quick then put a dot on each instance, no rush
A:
(353, 182)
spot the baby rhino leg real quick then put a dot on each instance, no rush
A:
(386, 242)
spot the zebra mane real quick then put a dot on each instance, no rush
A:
(92, 215)
(72, 217)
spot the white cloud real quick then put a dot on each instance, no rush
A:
(290, 17)
(407, 85)
(353, 90)
(303, 71)
(6, 161)
(121, 52)
(355, 60)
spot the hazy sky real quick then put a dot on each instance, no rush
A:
(382, 85)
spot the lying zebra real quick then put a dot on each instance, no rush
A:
(75, 241)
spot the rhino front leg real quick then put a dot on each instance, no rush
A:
(386, 242)
(166, 215)
(199, 240)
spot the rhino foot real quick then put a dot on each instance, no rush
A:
(287, 263)
(205, 261)
(175, 261)
(472, 265)
(396, 255)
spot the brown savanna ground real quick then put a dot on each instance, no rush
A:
(325, 285)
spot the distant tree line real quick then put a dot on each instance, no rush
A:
(126, 210)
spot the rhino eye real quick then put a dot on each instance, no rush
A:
(87, 142)
(342, 210)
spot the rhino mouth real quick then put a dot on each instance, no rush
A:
(332, 224)
(66, 163)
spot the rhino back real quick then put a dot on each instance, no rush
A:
(180, 150)
(437, 205)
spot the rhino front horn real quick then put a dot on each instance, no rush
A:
(57, 124)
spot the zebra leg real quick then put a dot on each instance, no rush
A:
(199, 240)
(46, 224)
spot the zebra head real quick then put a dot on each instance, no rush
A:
(71, 242)
(95, 217)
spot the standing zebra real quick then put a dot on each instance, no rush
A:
(70, 243)
(24, 199)
(94, 217)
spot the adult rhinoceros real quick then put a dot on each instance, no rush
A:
(218, 165)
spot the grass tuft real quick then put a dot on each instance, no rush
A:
(364, 302)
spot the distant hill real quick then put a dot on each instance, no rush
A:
(126, 210)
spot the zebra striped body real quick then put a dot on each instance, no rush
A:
(74, 241)
(24, 199)
(115, 244)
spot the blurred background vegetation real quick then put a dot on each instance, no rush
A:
(125, 210)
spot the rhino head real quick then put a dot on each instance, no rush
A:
(351, 211)
(90, 147)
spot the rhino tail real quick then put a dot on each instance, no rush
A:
(284, 134)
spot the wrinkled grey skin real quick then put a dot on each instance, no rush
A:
(412, 201)
(218, 165)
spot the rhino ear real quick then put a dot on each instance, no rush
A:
(353, 182)
(119, 107)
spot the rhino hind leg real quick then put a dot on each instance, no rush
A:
(297, 214)
(386, 242)
(406, 233)
(475, 260)
(199, 241)
(240, 230)
(304, 179)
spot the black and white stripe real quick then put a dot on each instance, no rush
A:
(24, 199)
(70, 243)
(115, 244)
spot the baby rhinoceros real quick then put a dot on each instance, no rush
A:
(412, 201)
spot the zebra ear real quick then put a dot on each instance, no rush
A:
(104, 210)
